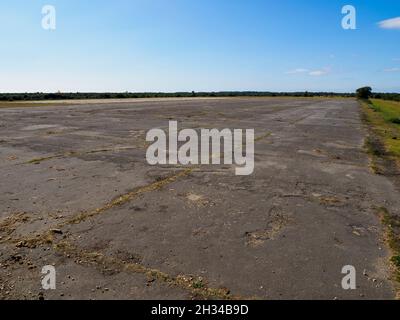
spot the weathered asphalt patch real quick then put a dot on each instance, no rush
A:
(283, 233)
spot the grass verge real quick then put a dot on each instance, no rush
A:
(384, 116)
(391, 225)
(383, 146)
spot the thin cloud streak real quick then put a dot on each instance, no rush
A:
(390, 23)
(296, 71)
(313, 73)
(391, 70)
(319, 73)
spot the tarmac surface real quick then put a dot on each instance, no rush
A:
(76, 192)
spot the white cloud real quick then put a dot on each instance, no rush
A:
(392, 70)
(295, 71)
(390, 23)
(314, 73)
(318, 73)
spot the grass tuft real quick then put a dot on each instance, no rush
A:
(391, 224)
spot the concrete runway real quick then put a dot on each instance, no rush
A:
(76, 192)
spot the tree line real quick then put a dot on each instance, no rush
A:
(132, 95)
(126, 95)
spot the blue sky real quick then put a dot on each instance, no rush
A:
(202, 45)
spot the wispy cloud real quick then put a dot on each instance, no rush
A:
(391, 70)
(318, 73)
(390, 23)
(296, 71)
(314, 73)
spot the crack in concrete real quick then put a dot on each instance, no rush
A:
(196, 285)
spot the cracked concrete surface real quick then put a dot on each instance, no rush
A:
(76, 192)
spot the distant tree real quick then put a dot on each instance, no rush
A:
(364, 92)
(378, 96)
